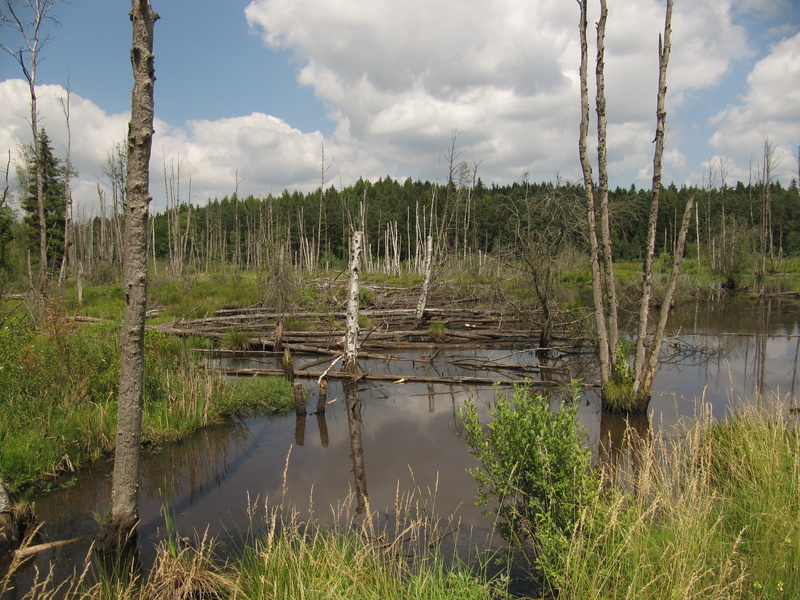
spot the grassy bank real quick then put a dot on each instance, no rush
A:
(405, 552)
(717, 516)
(59, 386)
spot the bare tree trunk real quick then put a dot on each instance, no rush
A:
(120, 529)
(597, 289)
(647, 269)
(351, 333)
(602, 162)
(427, 278)
(68, 258)
(645, 385)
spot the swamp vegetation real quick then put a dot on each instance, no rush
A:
(619, 531)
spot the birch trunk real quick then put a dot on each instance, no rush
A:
(120, 529)
(351, 332)
(426, 283)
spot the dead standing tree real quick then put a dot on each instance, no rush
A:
(12, 14)
(624, 389)
(120, 529)
(351, 332)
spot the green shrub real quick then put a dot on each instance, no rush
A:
(534, 468)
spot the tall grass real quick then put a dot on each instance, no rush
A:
(58, 389)
(351, 558)
(714, 515)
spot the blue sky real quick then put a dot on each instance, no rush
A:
(252, 89)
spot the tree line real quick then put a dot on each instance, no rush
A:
(733, 223)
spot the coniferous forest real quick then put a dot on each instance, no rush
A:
(733, 225)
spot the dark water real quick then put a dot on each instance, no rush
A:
(220, 480)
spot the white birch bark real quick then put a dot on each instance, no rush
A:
(351, 329)
(426, 283)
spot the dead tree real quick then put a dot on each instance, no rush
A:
(351, 332)
(68, 258)
(606, 352)
(639, 366)
(28, 56)
(120, 529)
(631, 390)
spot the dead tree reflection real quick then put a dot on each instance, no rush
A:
(353, 408)
(300, 429)
(623, 441)
(323, 429)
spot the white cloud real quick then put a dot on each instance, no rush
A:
(769, 110)
(398, 77)
(93, 131)
(264, 152)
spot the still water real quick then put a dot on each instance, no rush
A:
(220, 480)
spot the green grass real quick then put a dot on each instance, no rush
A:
(718, 516)
(58, 390)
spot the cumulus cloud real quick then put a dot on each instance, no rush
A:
(265, 153)
(770, 110)
(401, 76)
(397, 78)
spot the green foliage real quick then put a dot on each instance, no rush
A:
(534, 465)
(58, 390)
(618, 396)
(58, 395)
(273, 393)
(618, 393)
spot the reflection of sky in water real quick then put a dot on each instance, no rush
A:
(410, 434)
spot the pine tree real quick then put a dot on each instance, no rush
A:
(53, 190)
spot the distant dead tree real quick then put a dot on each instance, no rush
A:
(27, 18)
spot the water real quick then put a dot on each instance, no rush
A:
(220, 480)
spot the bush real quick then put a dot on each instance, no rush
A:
(534, 465)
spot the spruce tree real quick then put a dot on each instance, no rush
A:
(53, 192)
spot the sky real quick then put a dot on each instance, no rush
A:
(250, 94)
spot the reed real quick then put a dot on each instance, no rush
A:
(59, 385)
(708, 512)
(353, 557)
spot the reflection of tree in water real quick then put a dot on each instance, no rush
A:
(201, 463)
(300, 429)
(353, 408)
(685, 351)
(760, 364)
(622, 441)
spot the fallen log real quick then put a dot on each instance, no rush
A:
(38, 548)
(447, 380)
